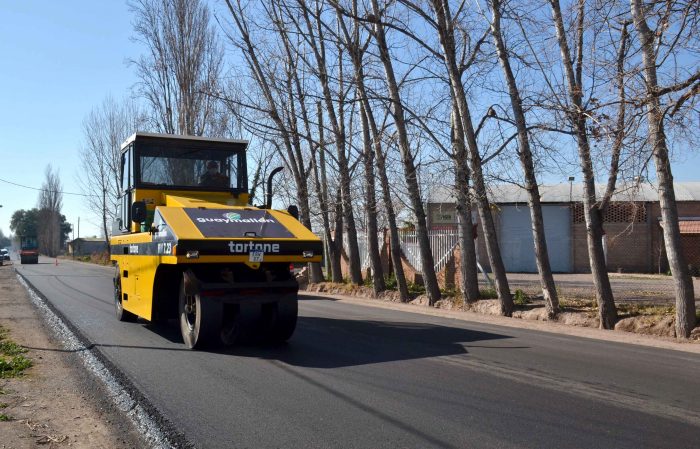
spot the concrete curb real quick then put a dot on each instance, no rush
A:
(519, 323)
(158, 431)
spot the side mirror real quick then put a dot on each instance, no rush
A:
(138, 211)
(293, 211)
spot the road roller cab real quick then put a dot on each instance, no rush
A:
(188, 246)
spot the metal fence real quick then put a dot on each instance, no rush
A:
(363, 246)
(442, 244)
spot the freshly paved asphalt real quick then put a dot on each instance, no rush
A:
(362, 377)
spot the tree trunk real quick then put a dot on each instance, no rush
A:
(432, 288)
(336, 274)
(469, 281)
(378, 284)
(683, 283)
(337, 242)
(594, 221)
(544, 269)
(394, 242)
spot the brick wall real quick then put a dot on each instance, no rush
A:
(685, 209)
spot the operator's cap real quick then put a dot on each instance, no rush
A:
(212, 164)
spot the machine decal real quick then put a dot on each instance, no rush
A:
(237, 224)
(300, 248)
(249, 247)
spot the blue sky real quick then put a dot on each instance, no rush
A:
(59, 60)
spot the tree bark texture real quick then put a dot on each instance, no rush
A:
(469, 280)
(378, 284)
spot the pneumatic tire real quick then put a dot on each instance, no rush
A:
(285, 319)
(122, 315)
(200, 320)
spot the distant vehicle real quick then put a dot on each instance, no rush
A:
(4, 254)
(29, 250)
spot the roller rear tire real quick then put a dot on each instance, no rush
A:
(200, 320)
(285, 319)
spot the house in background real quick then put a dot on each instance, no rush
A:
(85, 246)
(632, 224)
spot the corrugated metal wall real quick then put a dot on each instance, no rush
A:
(515, 238)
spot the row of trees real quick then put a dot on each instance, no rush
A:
(370, 103)
(45, 222)
(5, 240)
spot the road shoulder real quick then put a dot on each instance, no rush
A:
(57, 402)
(542, 326)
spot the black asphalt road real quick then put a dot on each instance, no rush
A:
(363, 377)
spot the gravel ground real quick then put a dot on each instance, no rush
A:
(626, 287)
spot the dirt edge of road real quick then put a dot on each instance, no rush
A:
(544, 326)
(130, 418)
(54, 403)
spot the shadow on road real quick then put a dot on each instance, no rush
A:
(333, 343)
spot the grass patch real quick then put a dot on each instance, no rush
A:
(488, 293)
(570, 304)
(12, 362)
(11, 348)
(4, 417)
(415, 289)
(14, 366)
(629, 310)
(3, 405)
(390, 282)
(520, 298)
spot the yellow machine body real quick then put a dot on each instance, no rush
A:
(194, 229)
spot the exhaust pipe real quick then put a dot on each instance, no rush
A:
(268, 203)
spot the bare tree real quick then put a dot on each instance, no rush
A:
(443, 23)
(180, 74)
(525, 154)
(577, 116)
(105, 128)
(49, 204)
(356, 49)
(333, 239)
(651, 42)
(407, 158)
(312, 29)
(278, 95)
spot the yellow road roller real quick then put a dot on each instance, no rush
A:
(187, 244)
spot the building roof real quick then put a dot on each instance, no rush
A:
(88, 239)
(564, 193)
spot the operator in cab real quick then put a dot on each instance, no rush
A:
(212, 177)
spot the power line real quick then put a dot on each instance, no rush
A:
(43, 190)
